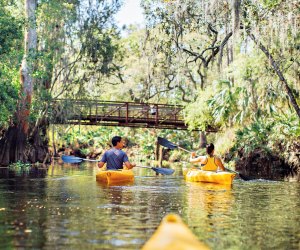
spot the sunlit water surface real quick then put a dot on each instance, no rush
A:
(65, 208)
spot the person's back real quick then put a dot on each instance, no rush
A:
(209, 162)
(115, 157)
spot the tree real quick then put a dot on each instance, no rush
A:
(64, 43)
(13, 145)
(282, 30)
(11, 38)
(195, 32)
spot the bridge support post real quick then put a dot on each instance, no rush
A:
(203, 140)
(158, 154)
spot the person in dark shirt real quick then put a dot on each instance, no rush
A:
(115, 157)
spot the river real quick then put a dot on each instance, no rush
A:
(64, 207)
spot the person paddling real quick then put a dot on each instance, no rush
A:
(115, 157)
(209, 162)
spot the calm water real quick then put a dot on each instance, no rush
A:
(65, 208)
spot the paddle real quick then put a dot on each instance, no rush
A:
(74, 159)
(164, 142)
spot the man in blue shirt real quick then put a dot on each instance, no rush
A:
(115, 157)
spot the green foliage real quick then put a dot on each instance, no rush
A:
(256, 135)
(81, 137)
(146, 143)
(20, 168)
(286, 127)
(20, 165)
(11, 37)
(141, 143)
(266, 134)
(224, 103)
(11, 32)
(100, 48)
(8, 101)
(84, 151)
(198, 114)
(270, 4)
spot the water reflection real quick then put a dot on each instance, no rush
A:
(20, 191)
(208, 206)
(209, 197)
(115, 196)
(64, 207)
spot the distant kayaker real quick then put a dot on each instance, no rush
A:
(115, 157)
(210, 162)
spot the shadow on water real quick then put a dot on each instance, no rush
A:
(21, 189)
(32, 172)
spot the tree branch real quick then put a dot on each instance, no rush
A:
(278, 72)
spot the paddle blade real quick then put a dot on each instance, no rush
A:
(245, 178)
(163, 171)
(71, 159)
(164, 142)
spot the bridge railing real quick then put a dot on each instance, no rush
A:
(125, 112)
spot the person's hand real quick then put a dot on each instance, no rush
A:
(133, 165)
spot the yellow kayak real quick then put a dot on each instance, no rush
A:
(173, 234)
(209, 176)
(115, 176)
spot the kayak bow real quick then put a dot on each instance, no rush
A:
(173, 234)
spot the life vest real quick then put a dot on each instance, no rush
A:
(210, 164)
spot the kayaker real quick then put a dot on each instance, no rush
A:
(115, 157)
(210, 162)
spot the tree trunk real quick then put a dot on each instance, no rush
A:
(203, 140)
(278, 72)
(27, 66)
(16, 145)
(161, 156)
(157, 151)
(12, 146)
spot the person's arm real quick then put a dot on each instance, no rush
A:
(101, 164)
(194, 159)
(129, 165)
(220, 164)
(103, 161)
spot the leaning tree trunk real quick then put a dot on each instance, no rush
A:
(15, 146)
(279, 73)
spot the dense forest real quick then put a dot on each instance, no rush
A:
(233, 65)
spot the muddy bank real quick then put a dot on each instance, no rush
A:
(271, 165)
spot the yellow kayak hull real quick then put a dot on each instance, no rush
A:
(197, 175)
(115, 176)
(173, 234)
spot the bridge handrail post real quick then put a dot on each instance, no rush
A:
(96, 115)
(156, 115)
(127, 115)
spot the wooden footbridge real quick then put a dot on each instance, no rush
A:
(123, 114)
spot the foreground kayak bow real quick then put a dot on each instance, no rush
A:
(173, 234)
